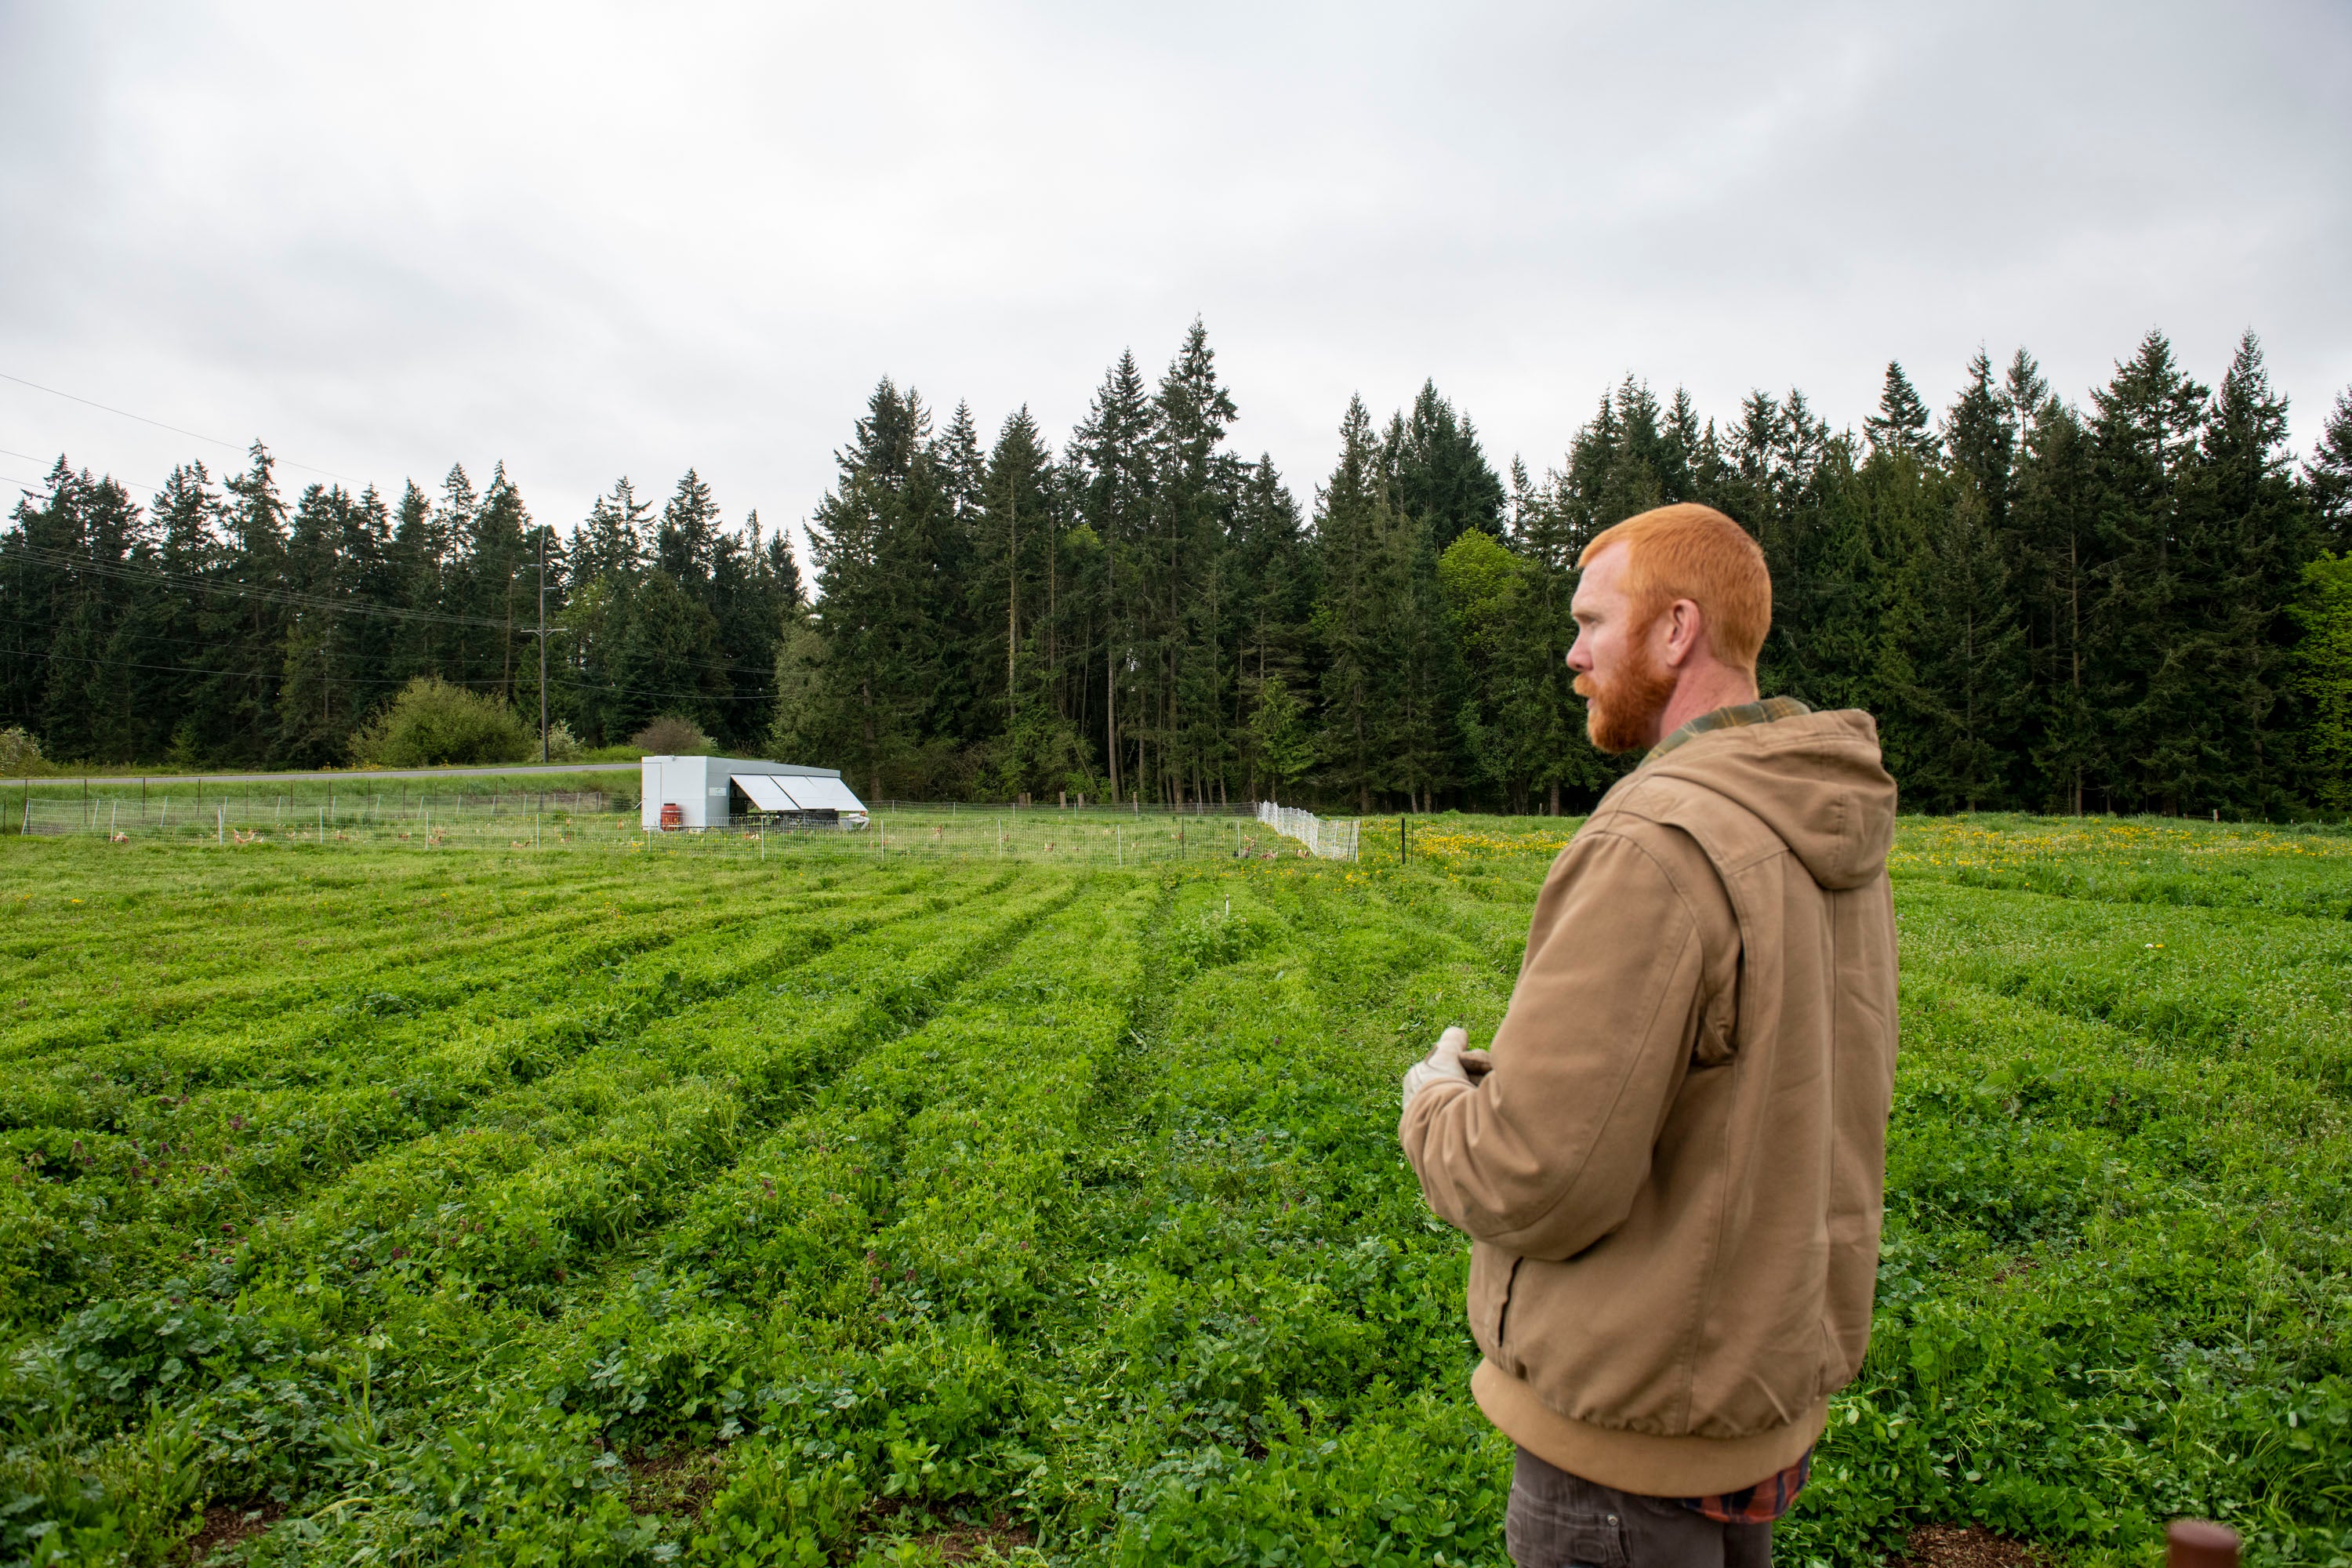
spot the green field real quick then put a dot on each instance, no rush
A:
(595, 811)
(519, 1201)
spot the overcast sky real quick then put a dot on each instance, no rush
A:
(593, 240)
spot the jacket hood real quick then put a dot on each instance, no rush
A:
(1816, 780)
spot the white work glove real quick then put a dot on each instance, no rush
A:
(1442, 1065)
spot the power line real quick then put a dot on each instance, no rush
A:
(41, 487)
(59, 559)
(280, 674)
(175, 430)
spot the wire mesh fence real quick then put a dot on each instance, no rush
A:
(587, 821)
(1324, 839)
(184, 814)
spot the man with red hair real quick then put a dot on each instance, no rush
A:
(1670, 1163)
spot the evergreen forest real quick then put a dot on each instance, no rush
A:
(2137, 603)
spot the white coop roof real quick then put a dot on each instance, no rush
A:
(766, 791)
(816, 793)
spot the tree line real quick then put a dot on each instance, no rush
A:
(2139, 603)
(225, 626)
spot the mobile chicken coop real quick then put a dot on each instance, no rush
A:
(697, 793)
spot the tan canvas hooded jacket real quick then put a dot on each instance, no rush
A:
(1672, 1177)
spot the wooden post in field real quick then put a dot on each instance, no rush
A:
(2199, 1543)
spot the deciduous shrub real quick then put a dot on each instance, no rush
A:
(671, 736)
(20, 752)
(433, 722)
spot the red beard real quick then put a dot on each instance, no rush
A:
(1622, 714)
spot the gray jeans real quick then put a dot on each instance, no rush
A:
(1557, 1520)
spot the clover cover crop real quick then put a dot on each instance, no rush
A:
(525, 1207)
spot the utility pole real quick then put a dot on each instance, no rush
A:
(542, 645)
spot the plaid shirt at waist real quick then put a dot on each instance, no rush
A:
(1730, 718)
(1765, 1501)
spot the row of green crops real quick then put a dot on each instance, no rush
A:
(524, 1208)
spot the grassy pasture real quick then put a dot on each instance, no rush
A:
(702, 1202)
(587, 812)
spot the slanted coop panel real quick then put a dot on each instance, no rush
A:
(697, 792)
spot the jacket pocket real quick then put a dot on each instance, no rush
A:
(1553, 1532)
(1492, 1272)
(1718, 1019)
(1503, 1319)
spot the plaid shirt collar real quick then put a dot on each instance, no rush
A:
(1731, 717)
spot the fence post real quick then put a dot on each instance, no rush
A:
(2199, 1543)
(1119, 840)
(1402, 820)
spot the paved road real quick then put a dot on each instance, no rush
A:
(360, 775)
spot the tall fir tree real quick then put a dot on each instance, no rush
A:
(1900, 426)
(1354, 532)
(2330, 479)
(2146, 427)
(1115, 483)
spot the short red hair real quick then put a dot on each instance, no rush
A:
(1692, 552)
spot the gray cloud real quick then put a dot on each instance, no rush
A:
(591, 241)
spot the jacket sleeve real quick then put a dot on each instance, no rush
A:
(1545, 1156)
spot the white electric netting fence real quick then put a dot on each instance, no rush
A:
(1324, 840)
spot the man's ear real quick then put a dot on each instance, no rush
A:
(1686, 632)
